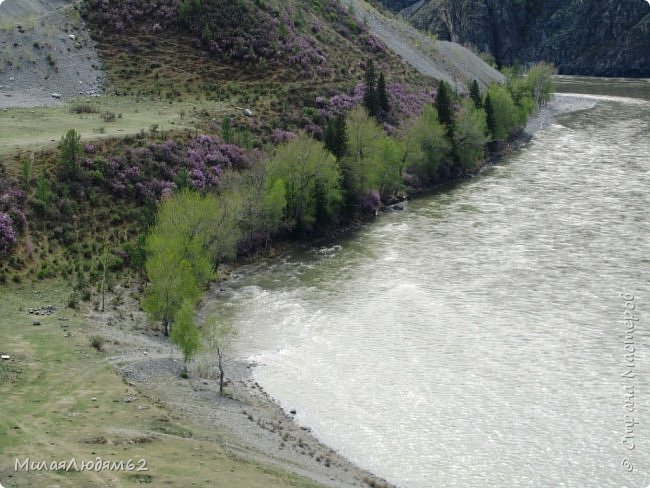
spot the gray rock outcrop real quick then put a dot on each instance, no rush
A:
(587, 37)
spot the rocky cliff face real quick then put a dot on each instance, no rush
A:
(588, 37)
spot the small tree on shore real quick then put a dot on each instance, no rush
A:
(171, 282)
(469, 134)
(502, 113)
(299, 165)
(541, 83)
(190, 231)
(219, 337)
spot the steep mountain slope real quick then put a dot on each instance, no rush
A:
(447, 61)
(278, 40)
(597, 37)
(44, 50)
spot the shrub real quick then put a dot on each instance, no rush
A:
(7, 234)
(97, 342)
(108, 116)
(501, 111)
(84, 108)
(73, 301)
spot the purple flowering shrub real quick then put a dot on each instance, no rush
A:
(339, 103)
(7, 234)
(248, 32)
(12, 201)
(12, 215)
(280, 136)
(148, 15)
(370, 202)
(406, 101)
(151, 172)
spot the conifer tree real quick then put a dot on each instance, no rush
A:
(475, 94)
(382, 96)
(370, 99)
(336, 136)
(444, 108)
(489, 113)
(70, 154)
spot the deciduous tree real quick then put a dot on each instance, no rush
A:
(219, 337)
(171, 283)
(503, 109)
(469, 134)
(185, 334)
(425, 145)
(300, 164)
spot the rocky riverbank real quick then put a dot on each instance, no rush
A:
(246, 422)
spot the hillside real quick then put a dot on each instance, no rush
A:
(599, 37)
(45, 48)
(446, 61)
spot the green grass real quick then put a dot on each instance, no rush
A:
(48, 411)
(27, 23)
(42, 127)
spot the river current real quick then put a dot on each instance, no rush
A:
(478, 339)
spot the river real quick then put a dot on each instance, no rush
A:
(477, 339)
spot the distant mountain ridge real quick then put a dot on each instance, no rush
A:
(587, 37)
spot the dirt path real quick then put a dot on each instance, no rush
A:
(441, 60)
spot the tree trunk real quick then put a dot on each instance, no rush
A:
(166, 328)
(221, 372)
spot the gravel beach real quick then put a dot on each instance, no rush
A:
(562, 103)
(246, 422)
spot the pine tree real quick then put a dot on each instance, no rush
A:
(475, 94)
(370, 99)
(70, 154)
(329, 137)
(490, 116)
(336, 136)
(321, 203)
(444, 108)
(382, 96)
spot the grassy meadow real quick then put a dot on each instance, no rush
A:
(61, 399)
(38, 128)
